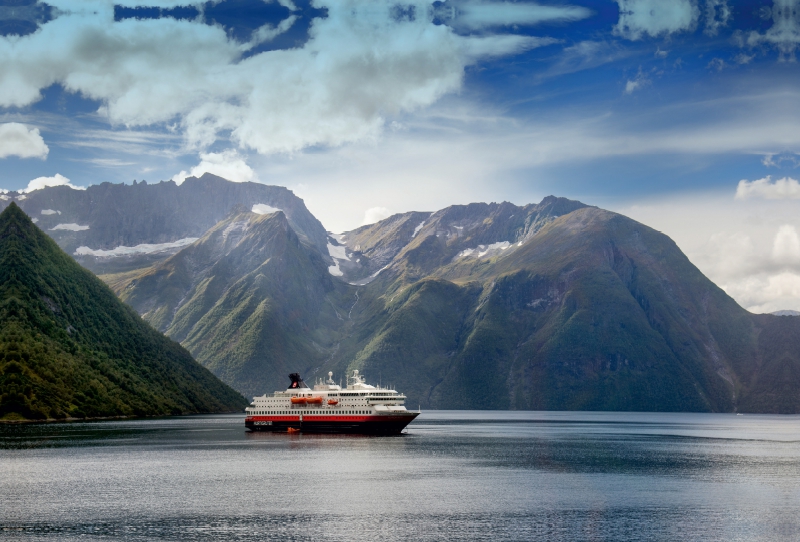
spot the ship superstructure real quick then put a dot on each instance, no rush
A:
(329, 408)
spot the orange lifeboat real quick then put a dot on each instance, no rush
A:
(314, 400)
(299, 400)
(333, 402)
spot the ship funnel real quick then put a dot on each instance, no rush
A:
(297, 382)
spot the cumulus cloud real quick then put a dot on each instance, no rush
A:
(786, 188)
(786, 246)
(784, 34)
(654, 18)
(361, 64)
(751, 251)
(375, 214)
(264, 209)
(228, 164)
(22, 141)
(717, 14)
(477, 14)
(43, 182)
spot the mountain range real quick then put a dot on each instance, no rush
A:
(114, 227)
(556, 305)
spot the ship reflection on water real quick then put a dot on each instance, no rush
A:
(451, 475)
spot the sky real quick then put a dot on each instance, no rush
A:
(682, 114)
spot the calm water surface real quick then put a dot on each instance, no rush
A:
(453, 475)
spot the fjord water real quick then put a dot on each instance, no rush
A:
(453, 475)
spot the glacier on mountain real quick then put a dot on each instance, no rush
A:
(70, 227)
(145, 248)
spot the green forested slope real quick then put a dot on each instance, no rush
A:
(595, 312)
(249, 300)
(70, 348)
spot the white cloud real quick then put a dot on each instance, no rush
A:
(43, 182)
(264, 209)
(751, 250)
(786, 246)
(637, 83)
(479, 14)
(786, 188)
(228, 164)
(654, 18)
(375, 214)
(784, 34)
(717, 14)
(360, 65)
(19, 140)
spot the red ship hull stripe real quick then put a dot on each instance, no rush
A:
(317, 418)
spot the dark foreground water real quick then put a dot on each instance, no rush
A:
(454, 475)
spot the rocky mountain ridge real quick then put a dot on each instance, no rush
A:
(116, 227)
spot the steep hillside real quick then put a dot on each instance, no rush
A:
(70, 348)
(248, 300)
(122, 227)
(548, 306)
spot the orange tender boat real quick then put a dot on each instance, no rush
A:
(333, 402)
(299, 400)
(314, 400)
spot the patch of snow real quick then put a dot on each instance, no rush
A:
(22, 197)
(483, 250)
(334, 269)
(34, 220)
(232, 227)
(416, 230)
(264, 209)
(4, 197)
(459, 227)
(364, 282)
(70, 227)
(338, 252)
(493, 247)
(50, 212)
(144, 248)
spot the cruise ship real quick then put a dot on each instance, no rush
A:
(328, 408)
